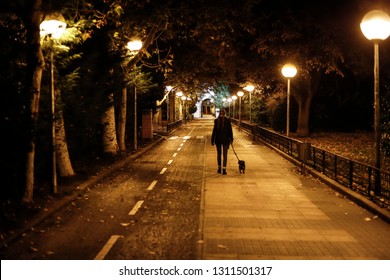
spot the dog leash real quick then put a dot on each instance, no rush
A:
(235, 152)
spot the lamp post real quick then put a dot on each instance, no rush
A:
(53, 27)
(250, 88)
(289, 71)
(375, 26)
(134, 46)
(239, 94)
(234, 97)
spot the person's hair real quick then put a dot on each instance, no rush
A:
(221, 119)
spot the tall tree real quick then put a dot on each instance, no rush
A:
(35, 64)
(300, 35)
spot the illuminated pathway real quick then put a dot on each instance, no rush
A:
(273, 212)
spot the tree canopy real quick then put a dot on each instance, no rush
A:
(194, 46)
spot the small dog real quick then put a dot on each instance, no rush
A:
(241, 166)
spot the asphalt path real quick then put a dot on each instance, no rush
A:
(148, 209)
(170, 203)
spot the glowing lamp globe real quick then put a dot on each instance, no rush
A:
(53, 25)
(250, 88)
(289, 70)
(134, 45)
(376, 25)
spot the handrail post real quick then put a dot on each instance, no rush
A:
(350, 174)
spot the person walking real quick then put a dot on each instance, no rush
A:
(222, 137)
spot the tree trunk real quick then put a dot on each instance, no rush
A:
(304, 102)
(304, 117)
(122, 120)
(35, 65)
(62, 154)
(110, 143)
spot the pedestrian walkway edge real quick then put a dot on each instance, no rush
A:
(351, 195)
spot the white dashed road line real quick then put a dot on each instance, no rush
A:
(163, 170)
(151, 186)
(110, 243)
(136, 208)
(107, 247)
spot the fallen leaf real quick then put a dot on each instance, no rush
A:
(33, 249)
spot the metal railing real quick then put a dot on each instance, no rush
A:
(354, 175)
(171, 126)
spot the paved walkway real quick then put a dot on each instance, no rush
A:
(274, 212)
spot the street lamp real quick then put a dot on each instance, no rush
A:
(134, 46)
(239, 94)
(250, 88)
(376, 27)
(289, 71)
(53, 27)
(234, 97)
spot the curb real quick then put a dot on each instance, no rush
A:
(351, 195)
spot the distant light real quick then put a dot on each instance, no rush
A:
(53, 25)
(134, 45)
(249, 88)
(234, 97)
(183, 97)
(168, 88)
(240, 93)
(289, 70)
(179, 93)
(375, 25)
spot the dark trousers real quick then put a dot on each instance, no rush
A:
(222, 149)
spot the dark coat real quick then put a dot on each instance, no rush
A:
(222, 131)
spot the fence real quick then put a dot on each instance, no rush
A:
(356, 176)
(173, 125)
